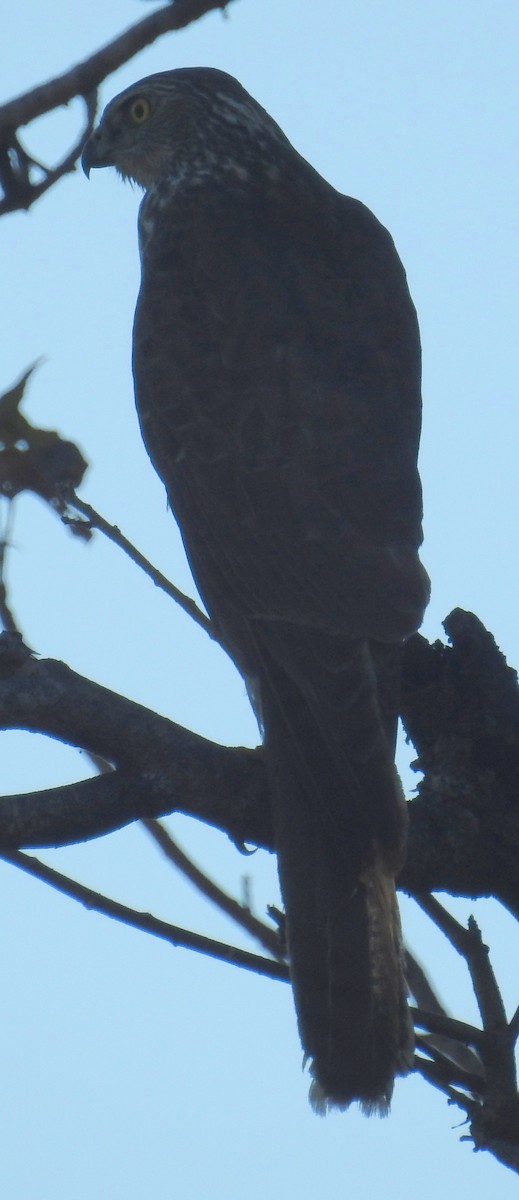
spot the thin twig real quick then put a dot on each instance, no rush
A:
(145, 921)
(434, 1073)
(469, 943)
(488, 995)
(448, 1027)
(420, 985)
(19, 191)
(456, 933)
(514, 1025)
(113, 533)
(267, 937)
(6, 615)
(454, 1039)
(453, 1073)
(497, 1050)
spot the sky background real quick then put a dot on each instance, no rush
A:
(130, 1069)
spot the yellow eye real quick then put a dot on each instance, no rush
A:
(140, 110)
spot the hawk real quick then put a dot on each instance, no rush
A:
(276, 360)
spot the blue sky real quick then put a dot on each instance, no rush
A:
(128, 1068)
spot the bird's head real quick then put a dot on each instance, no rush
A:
(197, 119)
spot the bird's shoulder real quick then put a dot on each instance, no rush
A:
(290, 204)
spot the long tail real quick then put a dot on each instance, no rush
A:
(339, 825)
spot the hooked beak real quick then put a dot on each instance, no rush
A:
(96, 153)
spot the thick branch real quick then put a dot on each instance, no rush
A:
(460, 707)
(160, 767)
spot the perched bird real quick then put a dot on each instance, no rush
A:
(277, 378)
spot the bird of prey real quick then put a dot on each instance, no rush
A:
(276, 361)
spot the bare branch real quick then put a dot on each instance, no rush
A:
(468, 942)
(94, 520)
(20, 191)
(452, 1073)
(226, 787)
(85, 77)
(460, 707)
(514, 1025)
(448, 1027)
(451, 1038)
(439, 1075)
(161, 766)
(20, 188)
(145, 921)
(7, 619)
(494, 1110)
(77, 812)
(264, 934)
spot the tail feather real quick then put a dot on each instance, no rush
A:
(367, 1045)
(337, 867)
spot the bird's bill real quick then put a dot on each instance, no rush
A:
(96, 153)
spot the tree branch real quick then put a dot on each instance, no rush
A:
(453, 1039)
(7, 618)
(267, 937)
(16, 165)
(94, 520)
(160, 767)
(145, 921)
(460, 707)
(449, 1027)
(86, 76)
(494, 1106)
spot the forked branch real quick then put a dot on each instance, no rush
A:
(17, 168)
